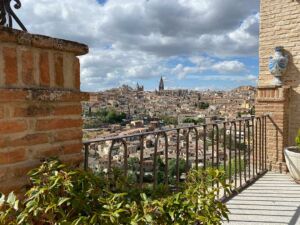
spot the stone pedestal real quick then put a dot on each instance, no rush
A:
(40, 103)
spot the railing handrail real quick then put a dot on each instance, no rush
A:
(244, 156)
(155, 132)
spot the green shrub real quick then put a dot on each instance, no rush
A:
(63, 196)
(297, 139)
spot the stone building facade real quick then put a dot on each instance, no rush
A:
(279, 26)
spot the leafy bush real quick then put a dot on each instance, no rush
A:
(64, 196)
(203, 105)
(103, 116)
(297, 139)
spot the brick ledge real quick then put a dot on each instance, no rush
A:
(47, 95)
(41, 41)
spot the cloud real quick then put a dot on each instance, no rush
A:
(229, 67)
(248, 32)
(202, 64)
(111, 68)
(138, 39)
(251, 78)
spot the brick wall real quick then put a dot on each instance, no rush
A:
(275, 102)
(280, 26)
(40, 109)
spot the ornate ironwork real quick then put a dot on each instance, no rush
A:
(237, 146)
(7, 15)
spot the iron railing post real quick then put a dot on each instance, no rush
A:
(86, 156)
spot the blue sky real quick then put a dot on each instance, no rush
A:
(193, 44)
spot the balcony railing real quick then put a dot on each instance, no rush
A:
(237, 146)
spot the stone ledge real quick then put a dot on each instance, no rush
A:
(272, 93)
(268, 87)
(41, 41)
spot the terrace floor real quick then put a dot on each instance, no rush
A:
(273, 199)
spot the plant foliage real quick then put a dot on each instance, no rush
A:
(297, 139)
(61, 195)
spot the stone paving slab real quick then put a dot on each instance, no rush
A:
(273, 199)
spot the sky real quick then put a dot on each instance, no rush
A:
(192, 44)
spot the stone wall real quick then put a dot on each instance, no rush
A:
(280, 26)
(40, 103)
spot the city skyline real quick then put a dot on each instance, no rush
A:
(140, 86)
(193, 44)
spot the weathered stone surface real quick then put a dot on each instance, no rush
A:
(40, 41)
(10, 66)
(27, 68)
(44, 69)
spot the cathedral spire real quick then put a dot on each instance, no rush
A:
(161, 85)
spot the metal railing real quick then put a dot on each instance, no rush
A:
(237, 146)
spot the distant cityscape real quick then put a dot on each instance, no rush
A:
(126, 111)
(123, 110)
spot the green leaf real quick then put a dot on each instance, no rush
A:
(62, 201)
(144, 197)
(2, 199)
(79, 221)
(148, 218)
(12, 201)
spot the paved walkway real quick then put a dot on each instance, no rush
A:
(273, 199)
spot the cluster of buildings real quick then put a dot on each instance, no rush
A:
(146, 111)
(139, 104)
(187, 150)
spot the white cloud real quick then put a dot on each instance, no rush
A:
(240, 78)
(134, 39)
(208, 64)
(229, 67)
(247, 33)
(110, 68)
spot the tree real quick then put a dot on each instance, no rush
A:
(252, 110)
(172, 168)
(133, 164)
(103, 116)
(160, 171)
(194, 121)
(203, 105)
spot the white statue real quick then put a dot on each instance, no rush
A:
(278, 65)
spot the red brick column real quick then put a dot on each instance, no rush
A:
(40, 103)
(279, 26)
(274, 101)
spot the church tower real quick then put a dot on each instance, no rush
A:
(161, 85)
(139, 88)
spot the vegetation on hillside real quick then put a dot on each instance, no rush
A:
(104, 116)
(203, 105)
